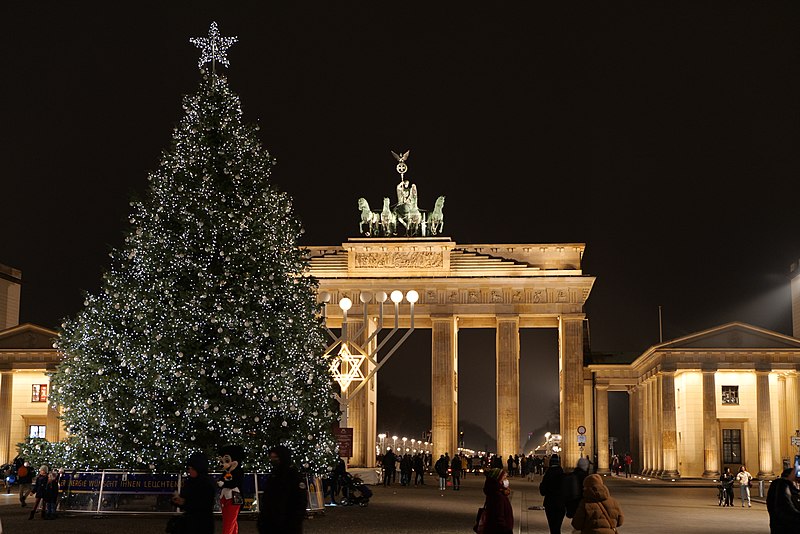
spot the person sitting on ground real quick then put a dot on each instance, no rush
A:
(598, 512)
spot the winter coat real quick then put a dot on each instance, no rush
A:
(441, 467)
(550, 487)
(51, 491)
(39, 486)
(784, 514)
(198, 510)
(283, 504)
(597, 503)
(499, 514)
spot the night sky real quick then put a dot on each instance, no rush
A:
(664, 136)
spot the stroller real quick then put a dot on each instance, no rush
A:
(355, 491)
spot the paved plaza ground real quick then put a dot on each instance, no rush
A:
(688, 507)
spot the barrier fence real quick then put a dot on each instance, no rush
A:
(110, 492)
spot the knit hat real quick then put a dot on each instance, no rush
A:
(583, 463)
(555, 460)
(494, 473)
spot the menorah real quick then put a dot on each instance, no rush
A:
(347, 363)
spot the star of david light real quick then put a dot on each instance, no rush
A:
(214, 47)
(346, 367)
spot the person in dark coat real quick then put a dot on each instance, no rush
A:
(419, 470)
(389, 465)
(497, 509)
(572, 486)
(197, 495)
(24, 478)
(455, 471)
(283, 504)
(440, 467)
(726, 480)
(51, 495)
(38, 490)
(550, 487)
(782, 504)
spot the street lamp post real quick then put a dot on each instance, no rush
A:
(382, 438)
(394, 443)
(404, 444)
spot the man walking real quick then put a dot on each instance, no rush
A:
(628, 462)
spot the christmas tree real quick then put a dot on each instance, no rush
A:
(206, 330)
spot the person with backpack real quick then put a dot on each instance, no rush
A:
(550, 487)
(24, 479)
(744, 478)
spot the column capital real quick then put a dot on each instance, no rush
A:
(601, 386)
(572, 317)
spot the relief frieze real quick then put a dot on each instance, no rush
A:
(399, 260)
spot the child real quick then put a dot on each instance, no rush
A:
(51, 495)
(39, 486)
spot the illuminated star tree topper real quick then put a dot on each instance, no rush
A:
(214, 47)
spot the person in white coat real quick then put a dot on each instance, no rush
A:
(744, 478)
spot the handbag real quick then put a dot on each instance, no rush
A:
(480, 521)
(237, 498)
(605, 513)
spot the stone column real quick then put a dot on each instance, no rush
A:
(570, 345)
(669, 428)
(649, 427)
(507, 385)
(659, 418)
(644, 427)
(362, 409)
(792, 404)
(764, 425)
(6, 391)
(444, 384)
(783, 414)
(710, 426)
(601, 420)
(633, 417)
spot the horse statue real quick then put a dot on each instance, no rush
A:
(413, 218)
(371, 220)
(388, 219)
(436, 218)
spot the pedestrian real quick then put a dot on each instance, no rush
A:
(628, 464)
(615, 465)
(727, 480)
(783, 506)
(38, 490)
(499, 516)
(572, 486)
(285, 497)
(550, 487)
(745, 480)
(335, 479)
(24, 479)
(510, 466)
(406, 466)
(419, 470)
(389, 460)
(598, 512)
(440, 467)
(455, 468)
(51, 495)
(230, 497)
(196, 499)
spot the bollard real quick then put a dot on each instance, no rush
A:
(761, 488)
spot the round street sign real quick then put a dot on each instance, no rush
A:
(581, 430)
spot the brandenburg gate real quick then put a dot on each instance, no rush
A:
(502, 286)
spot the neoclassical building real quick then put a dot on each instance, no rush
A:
(723, 397)
(26, 354)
